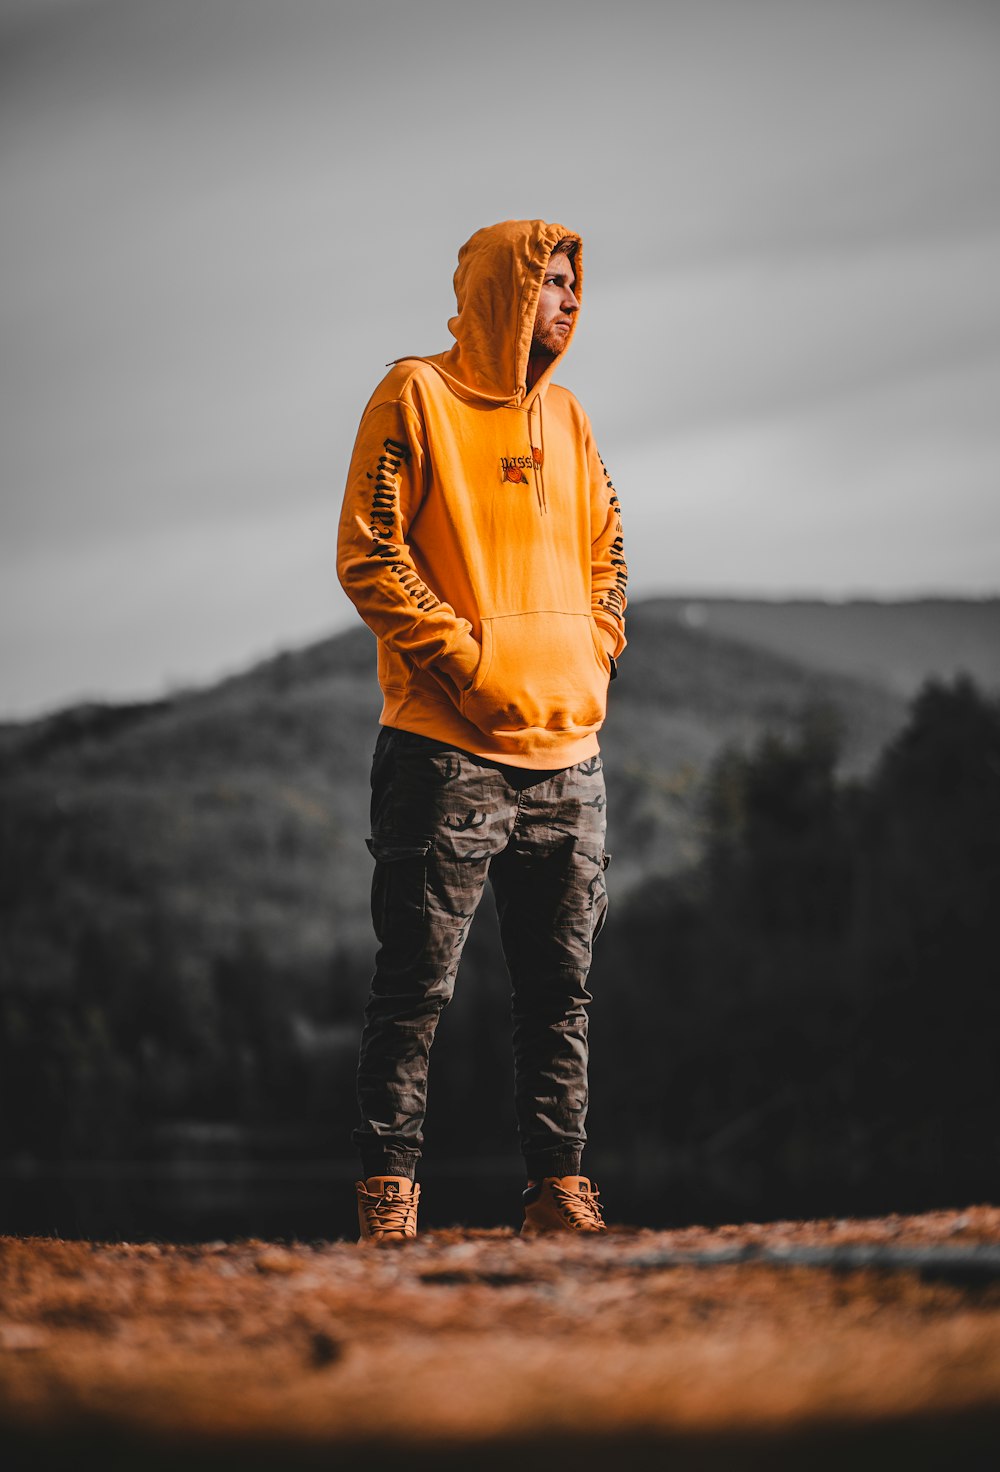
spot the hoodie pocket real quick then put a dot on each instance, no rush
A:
(394, 672)
(538, 671)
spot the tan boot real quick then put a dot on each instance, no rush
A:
(562, 1204)
(387, 1209)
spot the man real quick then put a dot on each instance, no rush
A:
(480, 539)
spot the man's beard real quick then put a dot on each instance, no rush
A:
(546, 342)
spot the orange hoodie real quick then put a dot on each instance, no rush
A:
(480, 537)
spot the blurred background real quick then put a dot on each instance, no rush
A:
(221, 218)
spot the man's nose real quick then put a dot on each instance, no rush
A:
(569, 301)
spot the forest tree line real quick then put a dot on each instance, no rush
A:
(804, 1022)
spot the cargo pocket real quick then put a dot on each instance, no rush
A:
(399, 892)
(601, 897)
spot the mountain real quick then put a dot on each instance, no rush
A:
(235, 815)
(897, 644)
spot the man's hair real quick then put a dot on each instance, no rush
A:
(565, 248)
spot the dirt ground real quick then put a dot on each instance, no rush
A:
(477, 1348)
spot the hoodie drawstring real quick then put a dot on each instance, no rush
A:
(538, 453)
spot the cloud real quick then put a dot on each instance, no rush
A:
(223, 216)
(744, 338)
(137, 613)
(839, 499)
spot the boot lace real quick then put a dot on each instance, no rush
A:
(582, 1209)
(393, 1213)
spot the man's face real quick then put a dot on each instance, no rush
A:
(557, 307)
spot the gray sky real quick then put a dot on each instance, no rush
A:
(222, 217)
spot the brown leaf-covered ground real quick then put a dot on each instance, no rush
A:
(476, 1348)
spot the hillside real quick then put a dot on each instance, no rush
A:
(897, 644)
(187, 951)
(236, 814)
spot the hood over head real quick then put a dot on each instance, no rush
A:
(497, 285)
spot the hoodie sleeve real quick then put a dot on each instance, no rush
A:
(375, 564)
(609, 575)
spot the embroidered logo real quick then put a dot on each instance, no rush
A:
(515, 467)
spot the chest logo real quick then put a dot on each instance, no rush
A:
(515, 467)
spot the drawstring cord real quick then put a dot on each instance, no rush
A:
(538, 452)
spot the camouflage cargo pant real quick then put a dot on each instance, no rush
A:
(442, 822)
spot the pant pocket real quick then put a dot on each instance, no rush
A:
(399, 889)
(601, 896)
